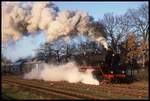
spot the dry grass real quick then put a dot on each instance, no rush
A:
(140, 83)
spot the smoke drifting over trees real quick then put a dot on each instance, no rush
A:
(79, 49)
(24, 19)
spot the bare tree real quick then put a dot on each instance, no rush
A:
(139, 23)
(45, 52)
(133, 21)
(116, 28)
(109, 24)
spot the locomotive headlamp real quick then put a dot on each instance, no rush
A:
(111, 72)
(123, 72)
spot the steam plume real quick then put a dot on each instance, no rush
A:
(67, 72)
(28, 18)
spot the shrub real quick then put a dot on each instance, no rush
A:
(142, 74)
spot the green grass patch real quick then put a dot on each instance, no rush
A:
(16, 93)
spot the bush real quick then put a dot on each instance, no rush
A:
(142, 75)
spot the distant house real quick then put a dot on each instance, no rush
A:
(28, 66)
(21, 66)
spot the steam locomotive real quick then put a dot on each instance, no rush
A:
(108, 70)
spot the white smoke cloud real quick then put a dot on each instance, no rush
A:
(18, 20)
(67, 72)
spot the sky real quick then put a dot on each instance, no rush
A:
(98, 9)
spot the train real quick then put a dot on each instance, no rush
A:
(106, 71)
(99, 72)
(20, 67)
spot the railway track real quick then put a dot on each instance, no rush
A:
(125, 90)
(62, 94)
(124, 86)
(121, 91)
(139, 92)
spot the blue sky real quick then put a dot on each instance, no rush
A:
(98, 9)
